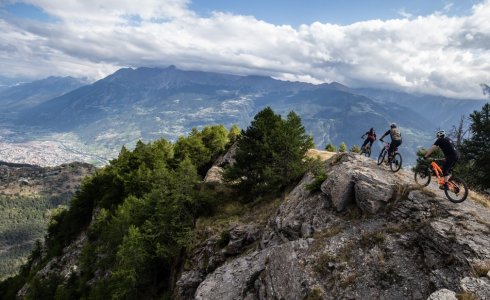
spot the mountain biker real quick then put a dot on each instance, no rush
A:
(451, 156)
(371, 137)
(396, 139)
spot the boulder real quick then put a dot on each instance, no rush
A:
(372, 192)
(443, 294)
(480, 287)
(234, 279)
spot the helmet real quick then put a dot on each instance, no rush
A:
(440, 134)
(393, 125)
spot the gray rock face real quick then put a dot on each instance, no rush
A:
(480, 287)
(369, 234)
(357, 179)
(214, 174)
(443, 294)
(233, 280)
(62, 267)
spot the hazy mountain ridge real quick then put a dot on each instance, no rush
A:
(26, 95)
(149, 103)
(442, 111)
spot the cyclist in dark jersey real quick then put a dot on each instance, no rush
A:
(396, 139)
(371, 137)
(450, 154)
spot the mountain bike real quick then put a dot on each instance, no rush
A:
(456, 191)
(396, 160)
(366, 150)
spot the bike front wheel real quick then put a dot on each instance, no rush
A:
(396, 162)
(456, 191)
(422, 177)
(381, 156)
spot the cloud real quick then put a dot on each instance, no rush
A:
(434, 54)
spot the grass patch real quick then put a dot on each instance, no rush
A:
(349, 280)
(353, 213)
(314, 294)
(481, 269)
(394, 228)
(466, 296)
(224, 239)
(323, 261)
(343, 255)
(480, 198)
(232, 212)
(316, 184)
(321, 237)
(371, 239)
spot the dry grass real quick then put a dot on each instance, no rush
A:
(372, 239)
(322, 155)
(234, 212)
(466, 296)
(481, 269)
(349, 280)
(480, 198)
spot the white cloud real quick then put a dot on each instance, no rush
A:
(431, 54)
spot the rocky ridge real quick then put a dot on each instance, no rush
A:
(367, 234)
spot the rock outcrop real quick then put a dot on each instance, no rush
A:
(368, 234)
(214, 174)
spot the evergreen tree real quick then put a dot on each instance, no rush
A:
(291, 143)
(233, 133)
(475, 151)
(270, 153)
(355, 149)
(342, 147)
(330, 147)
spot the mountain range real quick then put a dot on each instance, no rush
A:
(151, 103)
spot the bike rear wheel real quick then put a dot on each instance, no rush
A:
(381, 156)
(396, 162)
(457, 190)
(422, 177)
(368, 152)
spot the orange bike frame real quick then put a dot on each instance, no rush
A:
(438, 171)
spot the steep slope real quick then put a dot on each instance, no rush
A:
(369, 234)
(28, 195)
(365, 234)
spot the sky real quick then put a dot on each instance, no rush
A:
(438, 47)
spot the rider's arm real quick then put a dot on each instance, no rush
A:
(386, 133)
(430, 150)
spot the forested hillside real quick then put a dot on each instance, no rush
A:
(28, 196)
(130, 224)
(147, 226)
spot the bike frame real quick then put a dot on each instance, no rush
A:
(438, 173)
(387, 147)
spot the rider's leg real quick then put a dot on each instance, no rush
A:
(394, 144)
(447, 168)
(365, 143)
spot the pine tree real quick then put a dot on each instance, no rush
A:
(290, 142)
(270, 153)
(475, 151)
(355, 149)
(342, 147)
(330, 147)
